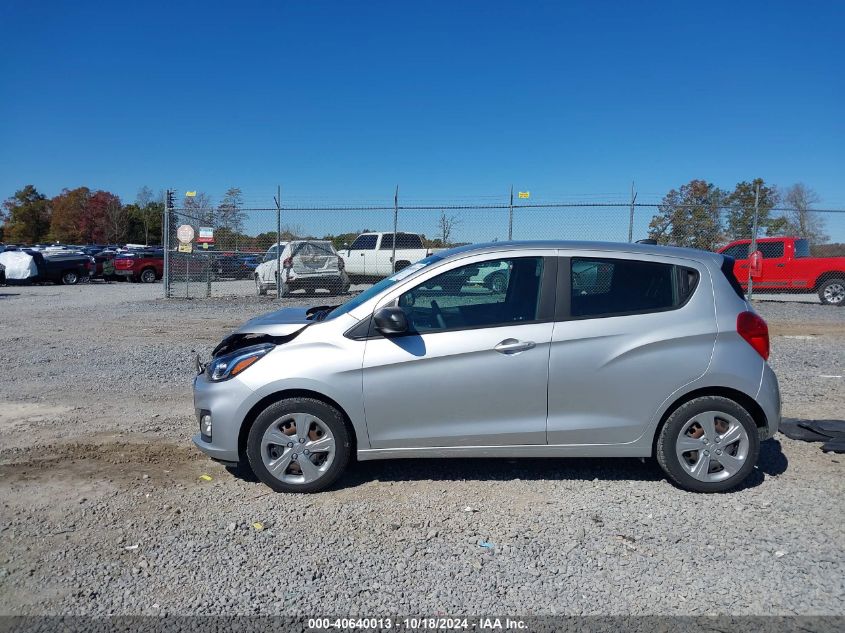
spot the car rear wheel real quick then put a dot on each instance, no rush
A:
(148, 276)
(708, 444)
(832, 292)
(70, 278)
(299, 445)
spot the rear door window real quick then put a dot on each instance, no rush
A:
(771, 250)
(602, 287)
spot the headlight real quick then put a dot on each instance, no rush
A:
(230, 365)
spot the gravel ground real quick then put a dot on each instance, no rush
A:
(104, 511)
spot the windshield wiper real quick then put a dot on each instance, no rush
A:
(318, 313)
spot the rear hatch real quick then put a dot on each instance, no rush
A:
(314, 258)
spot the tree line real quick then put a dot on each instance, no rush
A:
(81, 216)
(701, 215)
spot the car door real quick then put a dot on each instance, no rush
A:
(473, 371)
(362, 249)
(775, 273)
(629, 333)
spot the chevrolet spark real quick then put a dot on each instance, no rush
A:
(581, 350)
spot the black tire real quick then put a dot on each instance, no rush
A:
(666, 442)
(832, 291)
(330, 416)
(70, 278)
(148, 275)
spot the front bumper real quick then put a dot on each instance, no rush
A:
(228, 402)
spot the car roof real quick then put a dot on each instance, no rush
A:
(609, 247)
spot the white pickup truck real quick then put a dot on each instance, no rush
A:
(369, 257)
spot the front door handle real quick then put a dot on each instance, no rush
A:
(781, 265)
(512, 346)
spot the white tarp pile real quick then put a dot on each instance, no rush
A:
(19, 265)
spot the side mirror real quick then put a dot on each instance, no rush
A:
(391, 321)
(756, 264)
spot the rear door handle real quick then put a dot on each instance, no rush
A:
(781, 265)
(512, 346)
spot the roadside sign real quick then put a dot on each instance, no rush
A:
(186, 248)
(185, 233)
(206, 235)
(524, 194)
(191, 194)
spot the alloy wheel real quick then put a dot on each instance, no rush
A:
(712, 446)
(298, 448)
(834, 293)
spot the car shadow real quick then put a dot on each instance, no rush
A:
(772, 462)
(6, 295)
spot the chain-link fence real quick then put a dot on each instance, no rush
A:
(324, 248)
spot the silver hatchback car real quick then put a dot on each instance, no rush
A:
(584, 350)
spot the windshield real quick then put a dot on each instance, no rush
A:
(384, 284)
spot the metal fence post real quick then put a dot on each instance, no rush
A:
(165, 240)
(278, 200)
(395, 225)
(510, 217)
(631, 218)
(754, 239)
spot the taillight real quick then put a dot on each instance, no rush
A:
(288, 263)
(755, 331)
(340, 263)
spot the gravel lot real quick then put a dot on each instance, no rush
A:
(104, 511)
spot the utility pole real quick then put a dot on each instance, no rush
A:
(631, 218)
(165, 240)
(395, 225)
(278, 200)
(754, 239)
(510, 217)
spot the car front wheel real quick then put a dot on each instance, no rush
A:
(299, 445)
(709, 444)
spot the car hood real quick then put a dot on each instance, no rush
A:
(279, 323)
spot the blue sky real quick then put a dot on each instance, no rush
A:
(451, 100)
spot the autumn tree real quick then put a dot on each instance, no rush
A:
(689, 216)
(27, 216)
(740, 203)
(801, 220)
(68, 209)
(102, 220)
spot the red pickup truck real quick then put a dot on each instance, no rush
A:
(145, 266)
(788, 267)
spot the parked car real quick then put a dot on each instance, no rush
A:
(32, 266)
(787, 266)
(306, 264)
(140, 265)
(368, 258)
(232, 267)
(659, 354)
